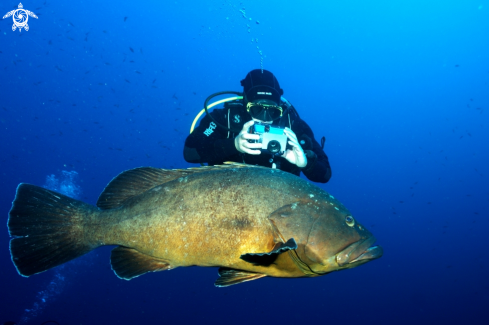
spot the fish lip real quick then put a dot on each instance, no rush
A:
(371, 253)
(361, 250)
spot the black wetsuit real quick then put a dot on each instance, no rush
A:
(211, 144)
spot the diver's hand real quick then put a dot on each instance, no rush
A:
(241, 141)
(295, 155)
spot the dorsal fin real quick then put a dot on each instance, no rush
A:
(136, 181)
(232, 164)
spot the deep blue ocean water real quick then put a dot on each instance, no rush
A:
(400, 90)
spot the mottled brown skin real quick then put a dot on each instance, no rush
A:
(250, 221)
(209, 218)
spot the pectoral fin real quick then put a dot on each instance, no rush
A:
(265, 259)
(229, 277)
(128, 263)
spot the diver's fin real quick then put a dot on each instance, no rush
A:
(228, 277)
(265, 259)
(128, 263)
(47, 228)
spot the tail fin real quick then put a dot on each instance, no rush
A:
(47, 228)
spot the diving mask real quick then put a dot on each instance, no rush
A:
(264, 110)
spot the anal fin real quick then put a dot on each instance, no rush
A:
(128, 263)
(229, 277)
(265, 259)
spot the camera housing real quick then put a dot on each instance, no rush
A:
(273, 139)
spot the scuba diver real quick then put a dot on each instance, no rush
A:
(260, 127)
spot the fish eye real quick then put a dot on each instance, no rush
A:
(350, 221)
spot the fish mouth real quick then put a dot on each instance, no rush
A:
(359, 252)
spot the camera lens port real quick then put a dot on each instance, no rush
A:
(273, 146)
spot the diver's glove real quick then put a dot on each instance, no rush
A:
(295, 155)
(241, 141)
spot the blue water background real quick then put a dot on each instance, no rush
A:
(400, 90)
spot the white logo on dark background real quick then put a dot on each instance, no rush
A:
(20, 17)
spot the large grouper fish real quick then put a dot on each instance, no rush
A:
(249, 221)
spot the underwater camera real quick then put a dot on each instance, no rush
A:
(272, 138)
